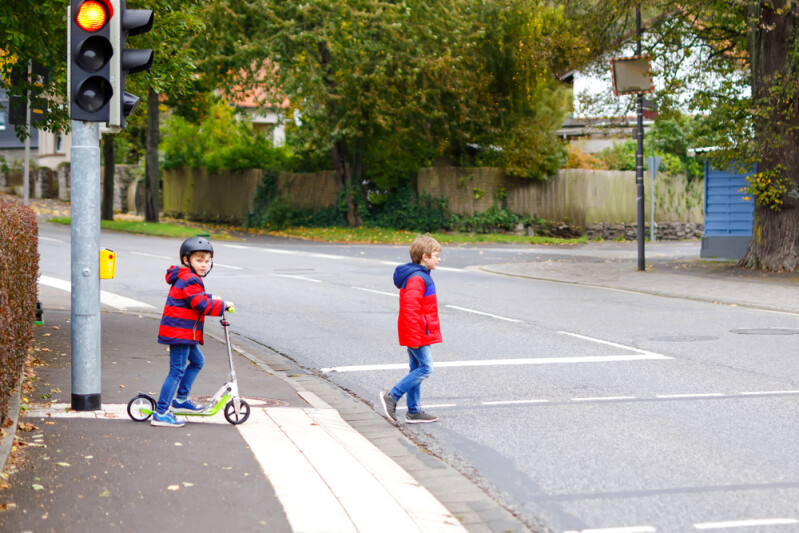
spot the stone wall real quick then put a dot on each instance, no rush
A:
(664, 231)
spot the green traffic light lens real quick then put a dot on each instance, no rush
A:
(93, 94)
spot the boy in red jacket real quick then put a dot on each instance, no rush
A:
(418, 327)
(182, 329)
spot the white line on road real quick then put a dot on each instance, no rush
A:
(392, 294)
(507, 362)
(303, 278)
(747, 523)
(632, 529)
(108, 298)
(614, 344)
(50, 239)
(482, 313)
(603, 398)
(145, 254)
(276, 251)
(235, 246)
(221, 265)
(702, 395)
(514, 402)
(769, 392)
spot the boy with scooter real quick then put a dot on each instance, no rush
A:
(182, 329)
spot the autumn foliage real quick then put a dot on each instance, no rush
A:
(19, 271)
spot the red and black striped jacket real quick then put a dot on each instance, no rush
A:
(186, 307)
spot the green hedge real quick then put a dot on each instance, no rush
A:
(18, 277)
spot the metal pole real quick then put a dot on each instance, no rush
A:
(639, 155)
(26, 180)
(85, 261)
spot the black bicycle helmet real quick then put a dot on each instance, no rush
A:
(196, 244)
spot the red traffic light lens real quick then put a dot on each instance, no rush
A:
(91, 16)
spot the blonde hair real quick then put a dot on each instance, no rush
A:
(423, 244)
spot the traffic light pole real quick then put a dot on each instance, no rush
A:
(85, 263)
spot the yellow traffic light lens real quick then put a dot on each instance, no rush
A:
(91, 16)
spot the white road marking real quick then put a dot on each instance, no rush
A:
(608, 343)
(507, 362)
(328, 256)
(50, 239)
(303, 278)
(221, 265)
(431, 406)
(145, 254)
(770, 392)
(482, 313)
(451, 269)
(276, 251)
(514, 402)
(392, 294)
(700, 395)
(603, 398)
(236, 246)
(632, 529)
(747, 523)
(108, 298)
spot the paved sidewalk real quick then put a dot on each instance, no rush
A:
(672, 269)
(310, 458)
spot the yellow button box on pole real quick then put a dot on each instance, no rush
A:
(108, 263)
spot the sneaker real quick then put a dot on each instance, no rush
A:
(166, 420)
(389, 405)
(186, 406)
(419, 418)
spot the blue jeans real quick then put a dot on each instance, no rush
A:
(421, 361)
(181, 377)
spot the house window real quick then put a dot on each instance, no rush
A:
(59, 143)
(3, 120)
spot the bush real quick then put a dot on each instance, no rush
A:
(18, 277)
(221, 142)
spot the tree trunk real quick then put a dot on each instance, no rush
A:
(108, 178)
(151, 187)
(772, 34)
(344, 176)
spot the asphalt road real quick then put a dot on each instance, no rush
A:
(579, 408)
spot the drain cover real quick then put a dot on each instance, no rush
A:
(765, 331)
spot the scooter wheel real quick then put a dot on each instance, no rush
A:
(141, 408)
(237, 418)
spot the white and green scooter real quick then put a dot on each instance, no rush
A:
(237, 410)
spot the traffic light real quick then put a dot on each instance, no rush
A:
(90, 50)
(125, 23)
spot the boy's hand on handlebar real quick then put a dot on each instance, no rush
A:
(229, 307)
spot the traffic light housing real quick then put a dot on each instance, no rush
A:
(127, 22)
(90, 50)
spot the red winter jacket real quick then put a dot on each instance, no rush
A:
(186, 307)
(418, 323)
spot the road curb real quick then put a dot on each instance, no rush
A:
(7, 442)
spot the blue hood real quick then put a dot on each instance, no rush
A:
(404, 272)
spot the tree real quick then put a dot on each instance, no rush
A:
(761, 124)
(44, 43)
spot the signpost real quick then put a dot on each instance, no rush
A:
(631, 75)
